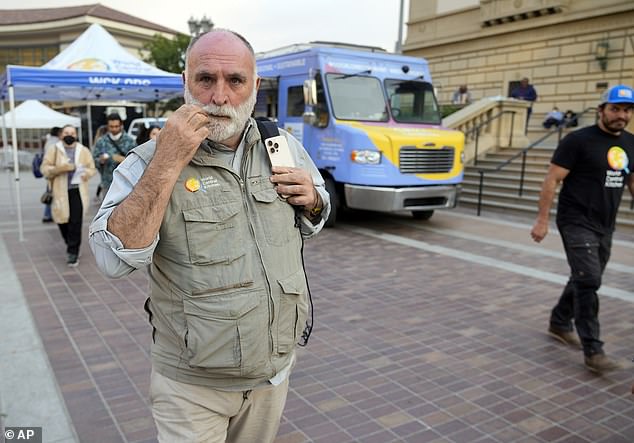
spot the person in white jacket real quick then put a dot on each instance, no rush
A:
(68, 165)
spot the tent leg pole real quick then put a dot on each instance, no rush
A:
(16, 164)
(4, 125)
(9, 184)
(88, 111)
(7, 156)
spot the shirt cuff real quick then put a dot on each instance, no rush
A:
(116, 260)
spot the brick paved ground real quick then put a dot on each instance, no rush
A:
(409, 345)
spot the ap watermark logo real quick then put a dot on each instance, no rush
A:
(31, 435)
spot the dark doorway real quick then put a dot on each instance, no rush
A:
(512, 85)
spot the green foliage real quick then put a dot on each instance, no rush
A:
(168, 55)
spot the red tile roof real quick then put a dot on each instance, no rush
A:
(27, 16)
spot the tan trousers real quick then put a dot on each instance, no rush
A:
(191, 413)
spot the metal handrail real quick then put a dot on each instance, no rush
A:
(486, 122)
(522, 153)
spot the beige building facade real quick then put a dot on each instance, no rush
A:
(571, 50)
(31, 37)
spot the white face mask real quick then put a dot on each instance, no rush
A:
(116, 137)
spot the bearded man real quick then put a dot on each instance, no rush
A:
(203, 207)
(594, 164)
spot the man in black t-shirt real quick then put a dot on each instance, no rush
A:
(594, 164)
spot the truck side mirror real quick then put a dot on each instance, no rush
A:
(310, 92)
(309, 117)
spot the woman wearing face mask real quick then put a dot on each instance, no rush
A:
(68, 165)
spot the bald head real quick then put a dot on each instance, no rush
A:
(195, 39)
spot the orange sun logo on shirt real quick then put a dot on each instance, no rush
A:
(617, 159)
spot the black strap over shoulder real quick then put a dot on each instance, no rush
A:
(116, 144)
(267, 128)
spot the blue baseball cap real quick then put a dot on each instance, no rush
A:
(618, 94)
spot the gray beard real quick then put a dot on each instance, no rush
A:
(221, 129)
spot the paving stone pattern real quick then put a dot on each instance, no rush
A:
(408, 345)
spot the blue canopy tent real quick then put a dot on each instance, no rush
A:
(59, 85)
(93, 68)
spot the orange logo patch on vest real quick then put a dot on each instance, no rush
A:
(192, 184)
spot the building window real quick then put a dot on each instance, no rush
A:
(31, 56)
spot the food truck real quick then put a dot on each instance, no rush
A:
(371, 123)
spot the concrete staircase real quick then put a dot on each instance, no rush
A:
(501, 188)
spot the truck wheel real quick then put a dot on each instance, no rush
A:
(334, 203)
(422, 215)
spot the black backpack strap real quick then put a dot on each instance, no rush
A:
(267, 128)
(116, 145)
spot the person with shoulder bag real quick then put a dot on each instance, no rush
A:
(68, 165)
(220, 230)
(111, 149)
(51, 139)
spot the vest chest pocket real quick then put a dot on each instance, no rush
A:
(211, 231)
(276, 217)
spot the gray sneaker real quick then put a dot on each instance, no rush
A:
(600, 363)
(72, 260)
(568, 338)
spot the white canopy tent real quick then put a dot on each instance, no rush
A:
(94, 67)
(34, 114)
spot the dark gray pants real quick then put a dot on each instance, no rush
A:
(588, 253)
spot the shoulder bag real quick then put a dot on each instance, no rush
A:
(47, 196)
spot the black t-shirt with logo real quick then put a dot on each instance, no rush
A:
(599, 164)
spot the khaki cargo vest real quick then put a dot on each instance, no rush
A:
(228, 294)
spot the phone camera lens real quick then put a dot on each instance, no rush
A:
(276, 145)
(272, 150)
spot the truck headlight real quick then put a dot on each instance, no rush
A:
(366, 157)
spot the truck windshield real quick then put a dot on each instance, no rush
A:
(357, 97)
(412, 101)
